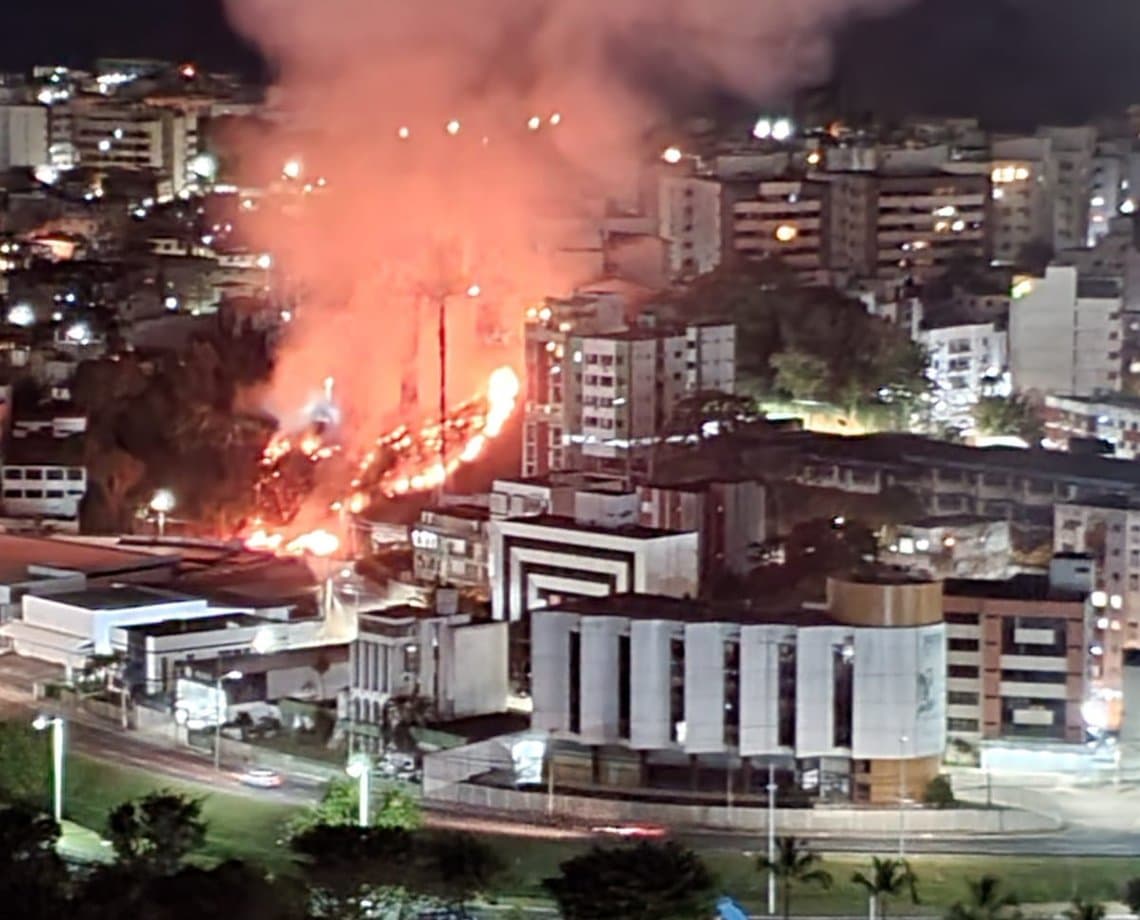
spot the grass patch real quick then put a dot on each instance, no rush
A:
(239, 827)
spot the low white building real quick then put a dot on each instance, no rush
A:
(967, 361)
(845, 694)
(1112, 418)
(455, 663)
(449, 546)
(950, 546)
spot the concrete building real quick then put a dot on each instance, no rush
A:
(449, 546)
(130, 136)
(730, 518)
(950, 546)
(966, 362)
(544, 560)
(1107, 529)
(691, 222)
(1023, 175)
(23, 136)
(553, 399)
(1109, 185)
(783, 218)
(1065, 333)
(1018, 659)
(456, 664)
(662, 692)
(1073, 150)
(1110, 419)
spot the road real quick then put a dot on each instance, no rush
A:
(1100, 821)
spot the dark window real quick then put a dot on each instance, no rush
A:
(624, 688)
(787, 682)
(962, 670)
(962, 645)
(964, 619)
(732, 693)
(843, 684)
(1035, 677)
(75, 475)
(575, 659)
(962, 725)
(676, 684)
(34, 474)
(961, 698)
(55, 474)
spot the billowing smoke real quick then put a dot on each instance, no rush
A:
(455, 147)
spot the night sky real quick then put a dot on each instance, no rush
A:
(1007, 60)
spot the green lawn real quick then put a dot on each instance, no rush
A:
(239, 827)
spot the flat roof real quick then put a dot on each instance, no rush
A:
(952, 520)
(218, 623)
(563, 522)
(466, 512)
(686, 610)
(119, 597)
(17, 553)
(1023, 587)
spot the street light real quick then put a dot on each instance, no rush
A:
(359, 767)
(219, 686)
(162, 504)
(55, 723)
(902, 796)
(771, 837)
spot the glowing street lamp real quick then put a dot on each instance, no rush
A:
(219, 686)
(292, 169)
(55, 723)
(162, 504)
(359, 767)
(672, 155)
(453, 127)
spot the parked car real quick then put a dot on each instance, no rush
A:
(261, 777)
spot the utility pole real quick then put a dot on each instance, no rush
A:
(771, 838)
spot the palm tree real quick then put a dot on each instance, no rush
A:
(986, 902)
(889, 878)
(795, 864)
(1082, 909)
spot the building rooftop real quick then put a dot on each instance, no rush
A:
(561, 522)
(119, 597)
(198, 625)
(1120, 400)
(688, 610)
(1023, 587)
(937, 521)
(465, 512)
(20, 553)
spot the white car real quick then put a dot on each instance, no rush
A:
(261, 777)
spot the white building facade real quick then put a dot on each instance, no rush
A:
(966, 362)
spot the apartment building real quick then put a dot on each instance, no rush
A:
(967, 361)
(690, 219)
(662, 692)
(949, 546)
(1107, 529)
(1065, 333)
(1112, 419)
(449, 546)
(23, 136)
(1073, 149)
(786, 219)
(1018, 657)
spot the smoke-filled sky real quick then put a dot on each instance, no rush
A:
(1020, 60)
(479, 215)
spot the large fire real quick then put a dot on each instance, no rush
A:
(401, 462)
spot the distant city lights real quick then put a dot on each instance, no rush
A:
(534, 123)
(453, 127)
(292, 169)
(779, 129)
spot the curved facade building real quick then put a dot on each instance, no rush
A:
(848, 701)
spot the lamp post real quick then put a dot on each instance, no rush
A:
(360, 769)
(771, 837)
(162, 504)
(219, 686)
(902, 796)
(55, 723)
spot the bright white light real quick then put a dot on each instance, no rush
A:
(453, 127)
(762, 130)
(262, 640)
(1097, 201)
(265, 261)
(286, 316)
(785, 233)
(78, 333)
(1099, 599)
(22, 315)
(534, 123)
(162, 501)
(104, 145)
(556, 118)
(204, 166)
(958, 226)
(1127, 206)
(292, 169)
(1116, 602)
(782, 129)
(232, 675)
(672, 155)
(171, 303)
(474, 291)
(404, 133)
(49, 175)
